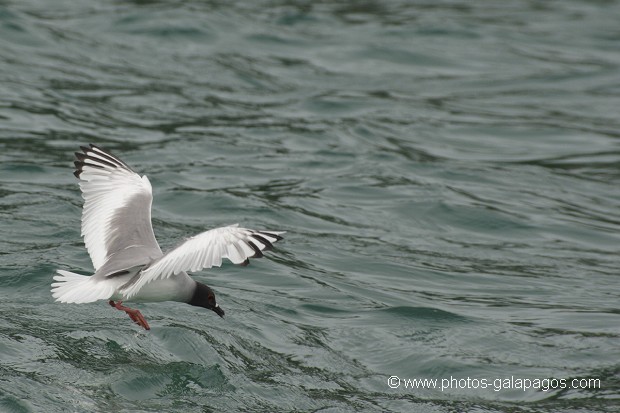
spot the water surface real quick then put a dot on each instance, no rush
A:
(447, 174)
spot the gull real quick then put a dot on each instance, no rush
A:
(129, 264)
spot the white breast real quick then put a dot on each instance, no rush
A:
(179, 287)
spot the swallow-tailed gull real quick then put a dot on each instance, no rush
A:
(129, 265)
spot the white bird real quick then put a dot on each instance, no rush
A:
(129, 265)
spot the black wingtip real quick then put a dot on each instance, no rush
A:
(257, 252)
(79, 164)
(98, 157)
(263, 240)
(269, 234)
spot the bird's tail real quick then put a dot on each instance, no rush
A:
(75, 288)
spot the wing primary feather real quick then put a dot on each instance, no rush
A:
(117, 207)
(111, 157)
(270, 234)
(268, 245)
(257, 251)
(78, 168)
(242, 254)
(206, 250)
(83, 157)
(94, 152)
(94, 156)
(98, 163)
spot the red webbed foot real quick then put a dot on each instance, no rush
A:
(135, 315)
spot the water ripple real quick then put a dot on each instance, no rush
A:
(446, 173)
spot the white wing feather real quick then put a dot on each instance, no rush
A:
(117, 205)
(205, 250)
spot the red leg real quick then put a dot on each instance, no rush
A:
(135, 315)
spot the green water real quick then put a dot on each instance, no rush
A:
(447, 173)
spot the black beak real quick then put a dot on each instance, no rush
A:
(218, 310)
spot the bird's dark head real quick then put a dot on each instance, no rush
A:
(204, 297)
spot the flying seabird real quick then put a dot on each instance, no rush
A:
(129, 265)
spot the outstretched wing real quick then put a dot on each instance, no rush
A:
(117, 207)
(206, 250)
